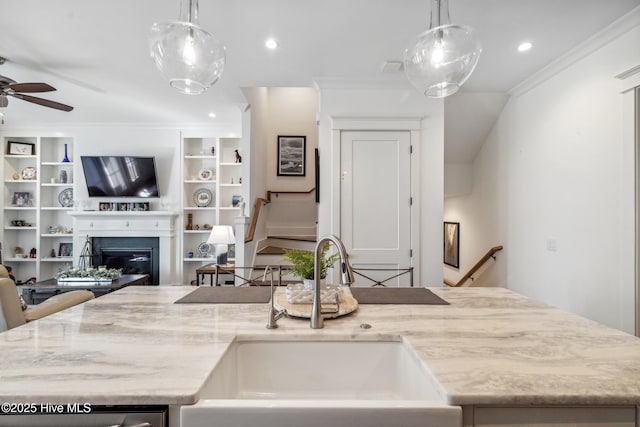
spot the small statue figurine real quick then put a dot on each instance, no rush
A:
(238, 157)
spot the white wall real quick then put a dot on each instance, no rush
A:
(556, 168)
(283, 111)
(367, 102)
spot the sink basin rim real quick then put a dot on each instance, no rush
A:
(403, 343)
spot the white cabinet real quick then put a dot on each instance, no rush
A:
(35, 224)
(211, 189)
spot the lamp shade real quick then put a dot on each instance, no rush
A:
(439, 60)
(190, 57)
(221, 235)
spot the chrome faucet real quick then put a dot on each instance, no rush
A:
(346, 276)
(274, 314)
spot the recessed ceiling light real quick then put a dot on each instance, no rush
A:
(212, 115)
(271, 44)
(524, 46)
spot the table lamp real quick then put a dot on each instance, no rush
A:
(221, 235)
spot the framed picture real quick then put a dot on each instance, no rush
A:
(21, 198)
(231, 252)
(21, 148)
(292, 152)
(65, 249)
(235, 201)
(106, 206)
(452, 244)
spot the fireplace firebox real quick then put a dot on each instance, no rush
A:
(134, 255)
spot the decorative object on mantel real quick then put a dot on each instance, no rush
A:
(99, 275)
(441, 59)
(187, 55)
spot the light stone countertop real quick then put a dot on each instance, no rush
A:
(490, 346)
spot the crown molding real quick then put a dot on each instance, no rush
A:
(601, 38)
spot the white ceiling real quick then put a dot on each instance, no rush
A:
(95, 53)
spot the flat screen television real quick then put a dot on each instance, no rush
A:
(120, 176)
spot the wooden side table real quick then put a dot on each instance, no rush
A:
(214, 269)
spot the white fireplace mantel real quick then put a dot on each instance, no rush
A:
(159, 224)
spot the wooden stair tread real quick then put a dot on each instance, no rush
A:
(296, 238)
(271, 250)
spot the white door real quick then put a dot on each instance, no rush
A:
(375, 204)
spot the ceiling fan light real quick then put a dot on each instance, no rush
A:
(439, 60)
(188, 56)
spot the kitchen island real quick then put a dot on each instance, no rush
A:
(490, 350)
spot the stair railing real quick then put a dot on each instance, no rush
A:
(469, 275)
(260, 201)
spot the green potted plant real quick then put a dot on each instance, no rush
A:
(302, 263)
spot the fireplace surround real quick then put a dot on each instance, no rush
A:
(136, 227)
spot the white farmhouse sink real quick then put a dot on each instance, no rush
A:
(262, 382)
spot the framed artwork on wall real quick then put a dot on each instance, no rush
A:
(292, 151)
(452, 244)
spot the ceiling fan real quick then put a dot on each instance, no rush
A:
(9, 87)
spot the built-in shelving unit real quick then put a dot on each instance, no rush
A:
(210, 171)
(37, 193)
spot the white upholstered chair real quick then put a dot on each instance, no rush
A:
(12, 314)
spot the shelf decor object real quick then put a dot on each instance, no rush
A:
(441, 59)
(202, 197)
(221, 235)
(28, 173)
(65, 198)
(191, 58)
(66, 155)
(21, 148)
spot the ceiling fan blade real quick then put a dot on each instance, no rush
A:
(30, 87)
(43, 102)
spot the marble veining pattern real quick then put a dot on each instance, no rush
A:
(490, 346)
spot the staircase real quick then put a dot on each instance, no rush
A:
(287, 221)
(271, 250)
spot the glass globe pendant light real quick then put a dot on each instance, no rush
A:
(442, 58)
(191, 58)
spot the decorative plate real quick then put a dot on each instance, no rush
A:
(65, 198)
(202, 197)
(204, 249)
(29, 173)
(205, 175)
